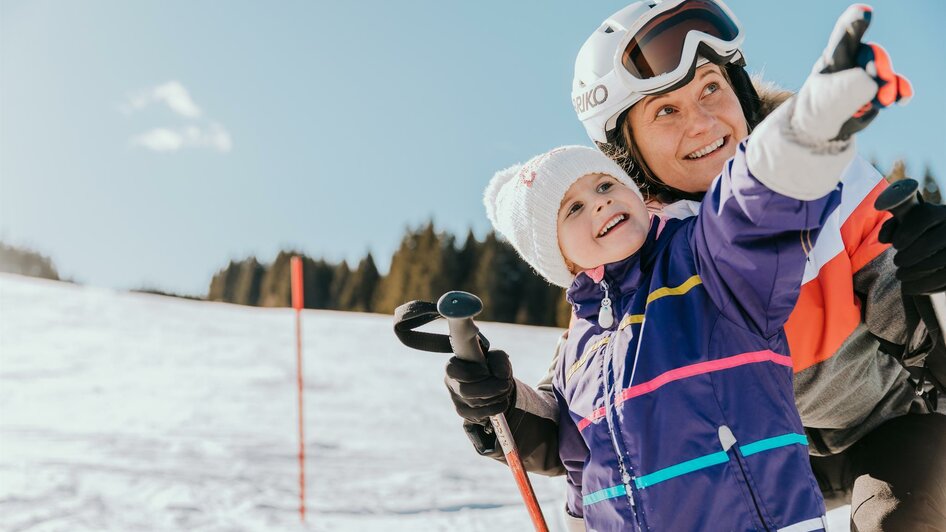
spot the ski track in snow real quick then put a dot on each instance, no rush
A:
(123, 411)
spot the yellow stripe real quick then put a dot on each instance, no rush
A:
(630, 319)
(634, 318)
(584, 358)
(804, 247)
(674, 291)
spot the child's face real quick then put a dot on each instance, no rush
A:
(587, 233)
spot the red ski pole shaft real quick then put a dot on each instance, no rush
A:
(459, 308)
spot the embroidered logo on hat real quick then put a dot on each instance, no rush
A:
(528, 173)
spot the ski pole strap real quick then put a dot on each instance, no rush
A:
(415, 314)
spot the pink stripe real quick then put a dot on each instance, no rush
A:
(595, 416)
(661, 222)
(690, 371)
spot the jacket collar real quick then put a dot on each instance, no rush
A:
(622, 278)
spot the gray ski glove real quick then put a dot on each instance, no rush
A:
(803, 147)
(480, 390)
(849, 83)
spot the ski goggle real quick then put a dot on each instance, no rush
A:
(664, 45)
(659, 53)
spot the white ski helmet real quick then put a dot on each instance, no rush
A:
(649, 48)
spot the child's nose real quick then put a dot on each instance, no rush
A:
(602, 204)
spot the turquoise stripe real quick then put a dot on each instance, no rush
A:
(601, 495)
(696, 464)
(768, 444)
(681, 469)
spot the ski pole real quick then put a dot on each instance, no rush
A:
(459, 308)
(899, 198)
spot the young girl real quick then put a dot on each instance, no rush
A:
(692, 426)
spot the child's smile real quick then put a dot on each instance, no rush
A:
(600, 221)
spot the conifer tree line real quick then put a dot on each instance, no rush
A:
(427, 264)
(23, 261)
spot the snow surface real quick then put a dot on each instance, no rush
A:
(124, 411)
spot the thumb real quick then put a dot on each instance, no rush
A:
(885, 235)
(845, 40)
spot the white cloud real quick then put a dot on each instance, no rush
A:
(173, 94)
(199, 133)
(163, 139)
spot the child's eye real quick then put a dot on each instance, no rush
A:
(575, 207)
(711, 88)
(604, 187)
(664, 111)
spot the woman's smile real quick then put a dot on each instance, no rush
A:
(708, 149)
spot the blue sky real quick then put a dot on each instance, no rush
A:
(147, 143)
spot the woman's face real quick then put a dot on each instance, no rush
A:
(686, 136)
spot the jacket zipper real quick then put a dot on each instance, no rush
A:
(745, 477)
(626, 476)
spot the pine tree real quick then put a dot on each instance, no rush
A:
(930, 188)
(563, 311)
(466, 261)
(275, 288)
(340, 277)
(26, 262)
(318, 278)
(498, 280)
(246, 282)
(898, 172)
(358, 292)
(422, 268)
(221, 284)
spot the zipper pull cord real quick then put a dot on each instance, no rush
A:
(605, 316)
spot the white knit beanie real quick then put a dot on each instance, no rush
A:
(523, 201)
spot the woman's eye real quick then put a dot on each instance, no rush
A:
(711, 88)
(604, 187)
(664, 111)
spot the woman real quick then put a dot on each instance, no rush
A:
(867, 417)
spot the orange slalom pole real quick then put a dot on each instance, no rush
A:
(295, 266)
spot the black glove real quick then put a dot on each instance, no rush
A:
(920, 241)
(481, 390)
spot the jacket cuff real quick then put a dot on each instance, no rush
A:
(537, 403)
(787, 162)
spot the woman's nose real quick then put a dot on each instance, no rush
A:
(701, 120)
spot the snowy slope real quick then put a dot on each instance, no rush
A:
(123, 411)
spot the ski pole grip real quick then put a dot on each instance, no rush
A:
(899, 198)
(459, 308)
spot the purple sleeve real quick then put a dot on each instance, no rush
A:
(751, 245)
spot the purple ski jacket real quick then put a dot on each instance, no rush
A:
(680, 415)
